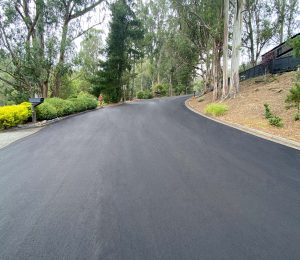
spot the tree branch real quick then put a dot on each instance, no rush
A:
(85, 10)
(8, 82)
(85, 31)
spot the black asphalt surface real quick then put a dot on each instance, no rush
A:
(148, 180)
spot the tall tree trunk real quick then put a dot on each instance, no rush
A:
(282, 12)
(45, 89)
(141, 75)
(215, 71)
(249, 5)
(59, 67)
(236, 45)
(208, 73)
(41, 42)
(225, 49)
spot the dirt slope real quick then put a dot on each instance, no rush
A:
(247, 108)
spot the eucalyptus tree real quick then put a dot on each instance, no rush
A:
(35, 36)
(90, 54)
(155, 16)
(236, 45)
(286, 11)
(68, 14)
(27, 45)
(259, 29)
(225, 48)
(200, 21)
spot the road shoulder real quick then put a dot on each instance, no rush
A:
(261, 134)
(11, 136)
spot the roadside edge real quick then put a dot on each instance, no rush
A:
(261, 134)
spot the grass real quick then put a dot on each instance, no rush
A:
(215, 109)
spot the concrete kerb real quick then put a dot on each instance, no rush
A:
(261, 134)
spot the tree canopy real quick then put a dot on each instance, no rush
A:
(60, 48)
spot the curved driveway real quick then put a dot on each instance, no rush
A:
(148, 180)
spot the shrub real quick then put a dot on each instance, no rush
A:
(79, 105)
(144, 94)
(63, 107)
(201, 99)
(88, 101)
(46, 111)
(293, 99)
(268, 113)
(216, 109)
(148, 94)
(275, 121)
(140, 94)
(13, 115)
(162, 89)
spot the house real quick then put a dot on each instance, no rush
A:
(280, 51)
(278, 60)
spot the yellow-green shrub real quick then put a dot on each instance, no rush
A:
(216, 109)
(13, 115)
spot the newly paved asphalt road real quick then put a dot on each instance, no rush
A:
(148, 180)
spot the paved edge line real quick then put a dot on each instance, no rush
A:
(261, 134)
(55, 120)
(49, 122)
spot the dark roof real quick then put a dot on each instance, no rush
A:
(298, 34)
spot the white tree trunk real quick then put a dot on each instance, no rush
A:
(225, 49)
(215, 72)
(236, 45)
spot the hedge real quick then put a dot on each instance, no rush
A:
(14, 115)
(51, 108)
(57, 107)
(46, 111)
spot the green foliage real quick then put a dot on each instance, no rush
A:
(46, 111)
(63, 107)
(88, 101)
(91, 49)
(146, 94)
(179, 89)
(13, 115)
(295, 43)
(140, 94)
(275, 121)
(161, 89)
(122, 44)
(198, 85)
(297, 117)
(57, 107)
(268, 113)
(293, 99)
(216, 109)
